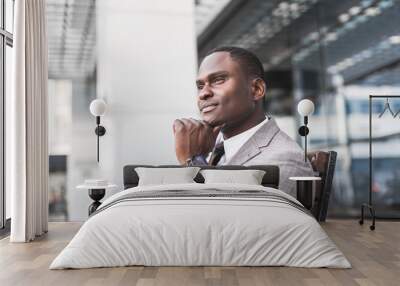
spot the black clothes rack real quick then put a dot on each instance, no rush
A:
(369, 205)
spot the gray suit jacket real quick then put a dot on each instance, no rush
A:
(271, 146)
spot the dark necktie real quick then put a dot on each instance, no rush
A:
(217, 154)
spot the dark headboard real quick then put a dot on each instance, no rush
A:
(270, 179)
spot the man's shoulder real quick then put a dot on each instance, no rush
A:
(282, 137)
(282, 145)
(268, 144)
(277, 136)
(284, 152)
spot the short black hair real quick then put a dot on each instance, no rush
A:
(249, 62)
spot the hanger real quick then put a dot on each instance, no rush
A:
(387, 107)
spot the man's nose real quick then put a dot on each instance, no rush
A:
(205, 92)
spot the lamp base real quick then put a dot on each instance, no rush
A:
(100, 130)
(303, 130)
(372, 212)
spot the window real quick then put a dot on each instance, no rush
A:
(6, 43)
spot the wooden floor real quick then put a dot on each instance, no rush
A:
(375, 257)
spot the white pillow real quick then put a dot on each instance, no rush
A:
(248, 177)
(162, 176)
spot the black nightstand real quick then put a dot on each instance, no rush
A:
(96, 193)
(305, 190)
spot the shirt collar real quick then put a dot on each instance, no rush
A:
(233, 144)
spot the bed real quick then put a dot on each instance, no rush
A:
(197, 224)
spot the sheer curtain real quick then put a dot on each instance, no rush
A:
(26, 120)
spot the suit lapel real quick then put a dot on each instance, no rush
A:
(251, 148)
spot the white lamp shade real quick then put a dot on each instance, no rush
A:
(97, 107)
(305, 107)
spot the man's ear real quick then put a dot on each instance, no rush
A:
(258, 88)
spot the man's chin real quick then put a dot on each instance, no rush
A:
(213, 122)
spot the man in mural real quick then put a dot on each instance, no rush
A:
(234, 128)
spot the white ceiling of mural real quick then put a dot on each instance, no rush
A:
(206, 11)
(72, 34)
(71, 38)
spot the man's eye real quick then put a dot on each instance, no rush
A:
(220, 79)
(200, 86)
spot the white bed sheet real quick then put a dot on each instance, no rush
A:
(200, 231)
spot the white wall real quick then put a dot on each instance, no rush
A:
(71, 133)
(146, 72)
(60, 116)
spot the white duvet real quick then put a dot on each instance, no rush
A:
(200, 231)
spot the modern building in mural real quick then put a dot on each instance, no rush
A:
(335, 53)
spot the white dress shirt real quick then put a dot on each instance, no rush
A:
(233, 144)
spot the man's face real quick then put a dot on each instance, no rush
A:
(224, 92)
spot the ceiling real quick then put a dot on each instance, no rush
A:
(352, 38)
(71, 38)
(349, 37)
(206, 11)
(72, 34)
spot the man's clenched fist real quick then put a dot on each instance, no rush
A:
(193, 137)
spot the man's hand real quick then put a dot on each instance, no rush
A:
(193, 137)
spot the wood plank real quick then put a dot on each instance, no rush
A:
(375, 257)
